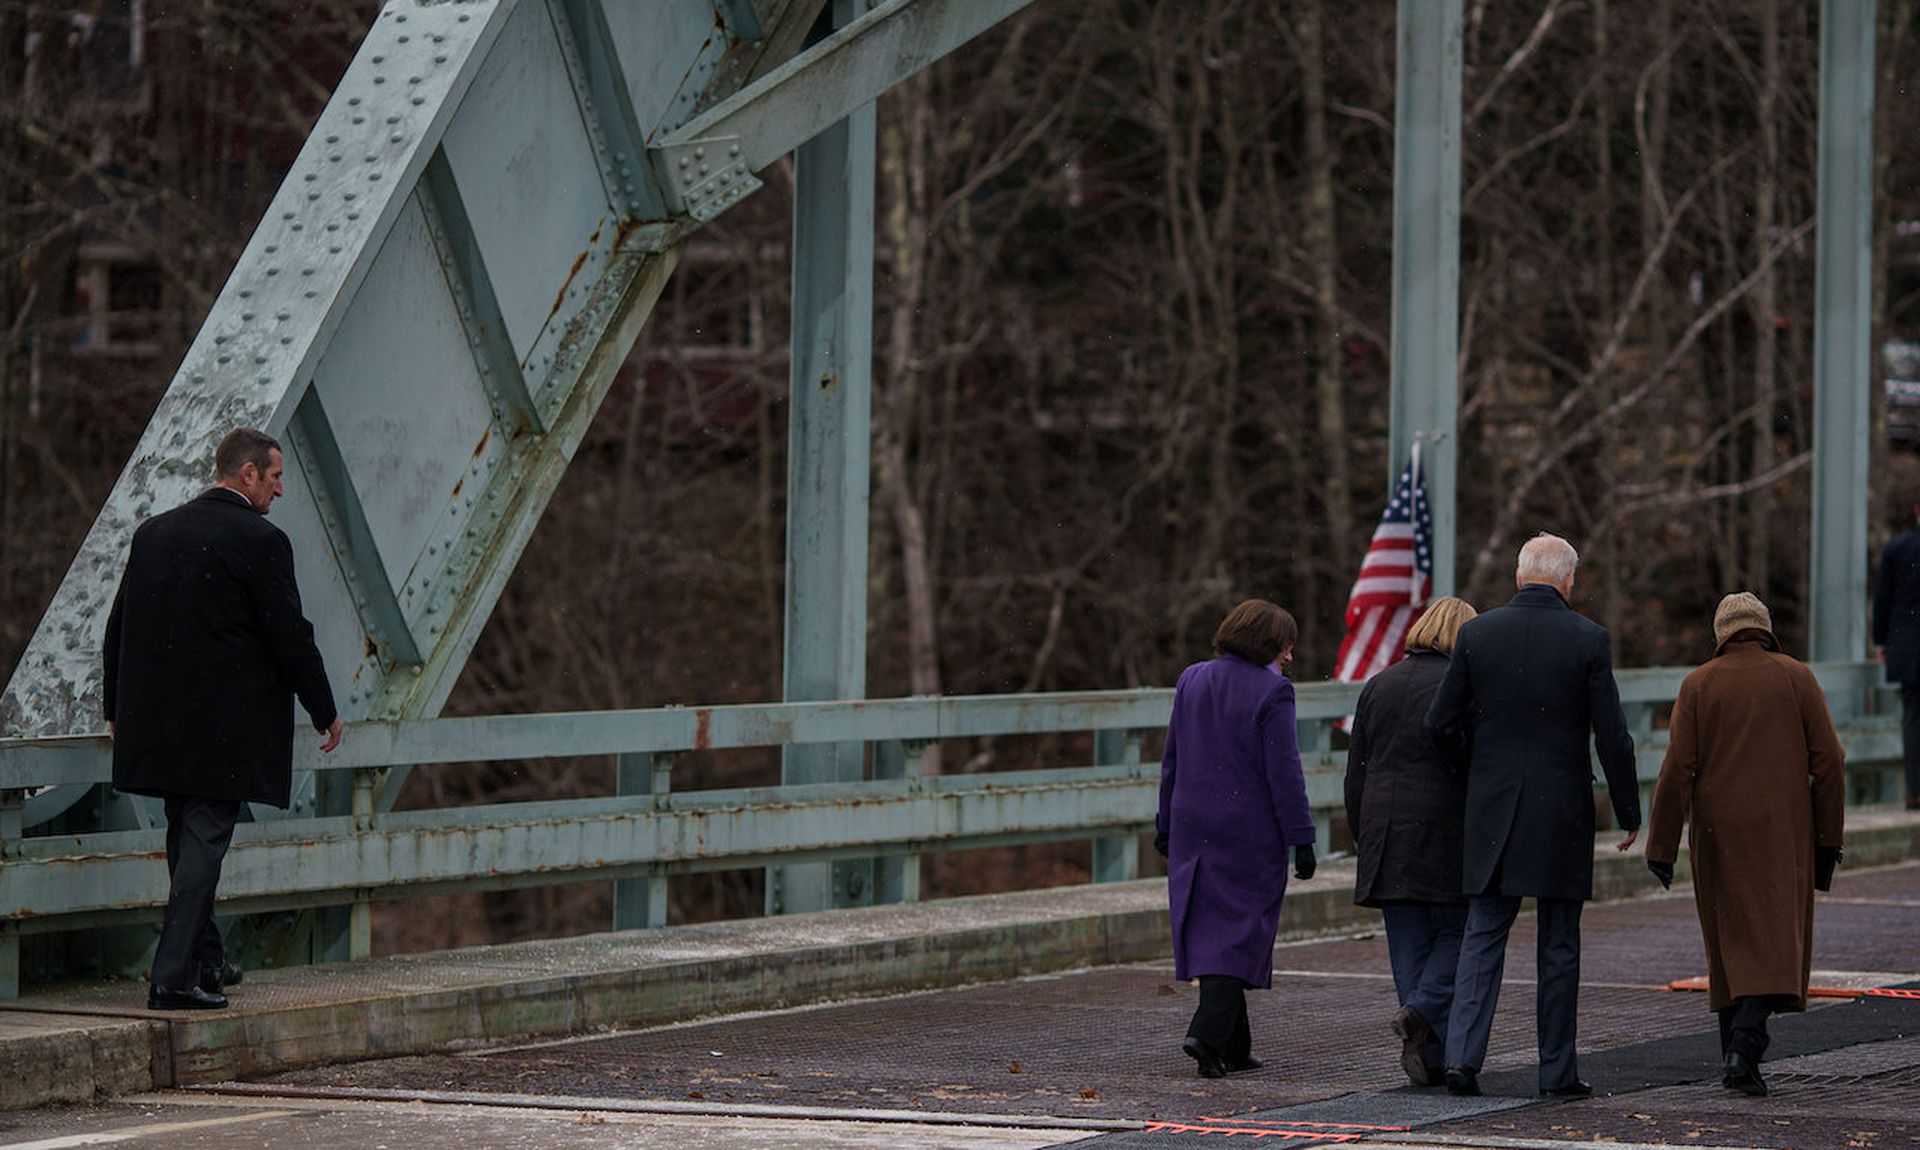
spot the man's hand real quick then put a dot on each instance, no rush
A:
(1303, 862)
(109, 732)
(1825, 859)
(1626, 844)
(333, 735)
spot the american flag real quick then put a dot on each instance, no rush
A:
(1396, 577)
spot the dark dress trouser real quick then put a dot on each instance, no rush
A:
(1220, 1021)
(1483, 955)
(198, 834)
(1423, 947)
(1910, 737)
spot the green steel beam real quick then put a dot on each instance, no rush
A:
(707, 164)
(829, 432)
(1842, 343)
(494, 359)
(1425, 361)
(330, 486)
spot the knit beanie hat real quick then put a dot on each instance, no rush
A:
(1738, 612)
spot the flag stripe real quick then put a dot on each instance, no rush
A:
(1394, 581)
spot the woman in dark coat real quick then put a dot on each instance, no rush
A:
(1755, 773)
(1233, 799)
(1406, 805)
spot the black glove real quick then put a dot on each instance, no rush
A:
(1303, 864)
(1160, 843)
(1662, 871)
(1825, 859)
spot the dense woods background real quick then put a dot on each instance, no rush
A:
(1130, 364)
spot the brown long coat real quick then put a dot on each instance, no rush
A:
(1755, 772)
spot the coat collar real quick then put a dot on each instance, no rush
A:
(1539, 595)
(1754, 635)
(226, 495)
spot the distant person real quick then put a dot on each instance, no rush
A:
(1406, 805)
(1750, 727)
(1896, 632)
(205, 650)
(1527, 684)
(1233, 799)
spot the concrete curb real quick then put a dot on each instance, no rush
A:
(80, 1043)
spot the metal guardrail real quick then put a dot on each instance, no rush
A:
(66, 881)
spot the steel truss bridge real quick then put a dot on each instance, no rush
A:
(428, 317)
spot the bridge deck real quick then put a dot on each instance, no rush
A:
(1073, 1055)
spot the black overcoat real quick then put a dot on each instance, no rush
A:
(205, 650)
(1896, 607)
(1406, 797)
(1528, 682)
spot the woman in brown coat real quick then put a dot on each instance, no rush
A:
(1750, 730)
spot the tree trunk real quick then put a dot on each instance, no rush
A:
(1764, 303)
(1318, 228)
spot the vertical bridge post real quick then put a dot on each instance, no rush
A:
(1842, 368)
(829, 448)
(1426, 264)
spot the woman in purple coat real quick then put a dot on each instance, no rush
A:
(1233, 798)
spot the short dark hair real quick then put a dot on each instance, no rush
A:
(243, 445)
(1257, 631)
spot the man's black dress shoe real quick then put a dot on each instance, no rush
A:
(1578, 1088)
(1245, 1062)
(1211, 1065)
(1743, 1075)
(192, 998)
(214, 979)
(1463, 1080)
(1436, 1076)
(1410, 1027)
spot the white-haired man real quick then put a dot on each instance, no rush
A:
(1528, 681)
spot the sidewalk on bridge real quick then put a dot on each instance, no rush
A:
(77, 1043)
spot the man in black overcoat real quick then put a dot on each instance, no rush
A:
(1529, 681)
(1896, 632)
(205, 651)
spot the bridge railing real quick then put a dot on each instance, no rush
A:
(78, 881)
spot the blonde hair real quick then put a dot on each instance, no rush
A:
(1439, 625)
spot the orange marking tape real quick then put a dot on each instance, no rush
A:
(1254, 1131)
(1700, 984)
(1310, 1125)
(1889, 992)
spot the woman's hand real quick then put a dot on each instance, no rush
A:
(1303, 862)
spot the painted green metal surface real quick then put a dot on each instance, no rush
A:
(1426, 264)
(829, 436)
(1842, 343)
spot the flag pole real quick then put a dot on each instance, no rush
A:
(1413, 517)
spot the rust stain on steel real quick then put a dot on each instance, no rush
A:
(486, 435)
(702, 729)
(560, 296)
(626, 231)
(372, 648)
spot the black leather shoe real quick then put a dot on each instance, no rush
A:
(1211, 1065)
(1464, 1081)
(1243, 1063)
(1578, 1088)
(1410, 1027)
(1435, 1077)
(214, 979)
(192, 998)
(1743, 1075)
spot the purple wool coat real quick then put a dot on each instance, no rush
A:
(1233, 802)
